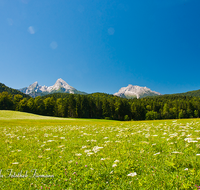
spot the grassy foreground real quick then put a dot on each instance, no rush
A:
(39, 152)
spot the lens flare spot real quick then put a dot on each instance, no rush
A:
(31, 30)
(25, 1)
(111, 31)
(53, 45)
(10, 21)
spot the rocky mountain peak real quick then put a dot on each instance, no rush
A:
(134, 91)
(60, 86)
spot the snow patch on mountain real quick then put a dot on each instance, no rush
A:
(135, 92)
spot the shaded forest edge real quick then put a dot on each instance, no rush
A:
(104, 106)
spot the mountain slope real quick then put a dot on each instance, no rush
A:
(195, 93)
(60, 86)
(4, 88)
(135, 92)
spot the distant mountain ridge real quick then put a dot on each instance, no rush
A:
(59, 87)
(135, 92)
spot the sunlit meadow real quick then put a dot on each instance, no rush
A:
(51, 153)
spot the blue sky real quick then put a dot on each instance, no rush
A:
(101, 45)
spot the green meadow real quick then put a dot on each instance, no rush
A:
(40, 152)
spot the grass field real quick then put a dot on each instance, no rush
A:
(39, 152)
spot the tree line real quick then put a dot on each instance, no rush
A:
(104, 106)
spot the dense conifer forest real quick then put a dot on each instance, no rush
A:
(104, 106)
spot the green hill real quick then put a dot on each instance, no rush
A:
(4, 88)
(195, 93)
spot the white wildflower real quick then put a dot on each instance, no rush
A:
(46, 135)
(93, 140)
(176, 152)
(107, 141)
(190, 140)
(86, 151)
(141, 151)
(90, 153)
(61, 146)
(114, 165)
(50, 140)
(132, 174)
(78, 154)
(96, 149)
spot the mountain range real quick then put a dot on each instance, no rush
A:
(62, 87)
(59, 87)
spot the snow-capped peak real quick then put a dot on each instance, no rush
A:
(32, 87)
(35, 84)
(60, 83)
(135, 91)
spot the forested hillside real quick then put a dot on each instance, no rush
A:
(195, 93)
(4, 88)
(100, 105)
